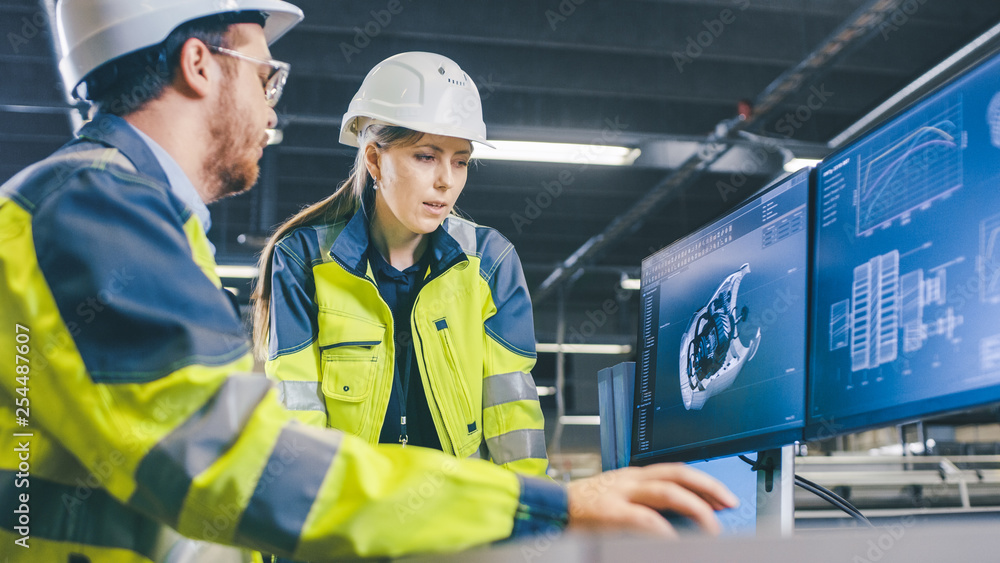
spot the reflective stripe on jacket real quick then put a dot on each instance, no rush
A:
(138, 416)
(332, 348)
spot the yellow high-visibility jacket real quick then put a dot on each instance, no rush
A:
(123, 409)
(332, 349)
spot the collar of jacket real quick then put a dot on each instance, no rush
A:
(351, 244)
(114, 131)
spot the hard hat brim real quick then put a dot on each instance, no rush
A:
(95, 43)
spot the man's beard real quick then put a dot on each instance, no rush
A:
(231, 166)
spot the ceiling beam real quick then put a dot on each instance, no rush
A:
(634, 28)
(985, 43)
(856, 30)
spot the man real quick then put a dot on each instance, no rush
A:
(125, 384)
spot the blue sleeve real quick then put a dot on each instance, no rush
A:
(542, 509)
(293, 289)
(135, 302)
(512, 326)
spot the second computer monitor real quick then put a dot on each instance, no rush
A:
(907, 281)
(722, 337)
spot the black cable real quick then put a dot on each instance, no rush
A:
(834, 499)
(828, 493)
(818, 490)
(822, 494)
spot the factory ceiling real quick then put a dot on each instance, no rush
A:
(657, 75)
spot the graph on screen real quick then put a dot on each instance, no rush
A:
(910, 173)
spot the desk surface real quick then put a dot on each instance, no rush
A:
(900, 541)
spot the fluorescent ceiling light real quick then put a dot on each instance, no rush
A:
(631, 283)
(247, 272)
(797, 164)
(546, 391)
(585, 348)
(529, 151)
(580, 420)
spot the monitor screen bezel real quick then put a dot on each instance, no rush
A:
(765, 439)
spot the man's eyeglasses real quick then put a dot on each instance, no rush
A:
(276, 78)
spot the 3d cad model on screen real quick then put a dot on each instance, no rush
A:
(712, 354)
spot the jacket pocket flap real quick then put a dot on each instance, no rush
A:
(338, 332)
(349, 351)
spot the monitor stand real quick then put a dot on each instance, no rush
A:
(775, 492)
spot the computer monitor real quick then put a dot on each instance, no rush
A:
(722, 333)
(907, 264)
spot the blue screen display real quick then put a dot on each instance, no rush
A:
(907, 281)
(742, 482)
(722, 338)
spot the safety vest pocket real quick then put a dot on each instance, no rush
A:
(348, 377)
(349, 352)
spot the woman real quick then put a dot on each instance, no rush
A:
(381, 312)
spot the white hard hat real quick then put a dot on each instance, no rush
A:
(420, 91)
(94, 32)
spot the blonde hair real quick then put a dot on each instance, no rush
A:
(344, 202)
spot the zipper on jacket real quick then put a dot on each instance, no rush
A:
(449, 349)
(435, 413)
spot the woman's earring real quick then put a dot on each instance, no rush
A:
(374, 184)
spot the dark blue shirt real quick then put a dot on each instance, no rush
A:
(399, 290)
